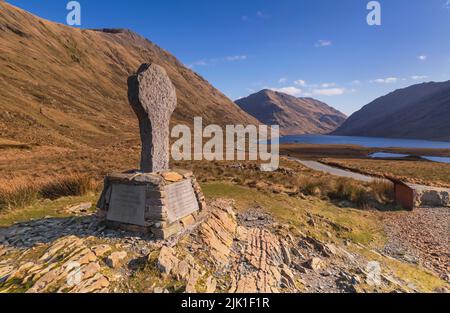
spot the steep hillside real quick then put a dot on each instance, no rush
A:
(66, 87)
(294, 115)
(419, 112)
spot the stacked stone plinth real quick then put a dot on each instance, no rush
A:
(159, 218)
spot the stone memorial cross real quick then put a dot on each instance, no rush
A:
(153, 98)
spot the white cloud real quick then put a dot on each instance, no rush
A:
(323, 43)
(235, 58)
(418, 77)
(198, 63)
(261, 14)
(388, 80)
(447, 5)
(207, 62)
(300, 82)
(282, 80)
(329, 91)
(356, 82)
(291, 90)
(311, 90)
(422, 57)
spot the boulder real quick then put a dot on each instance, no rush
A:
(101, 250)
(314, 264)
(287, 277)
(79, 208)
(286, 253)
(167, 260)
(211, 284)
(116, 259)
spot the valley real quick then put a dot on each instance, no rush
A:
(327, 220)
(357, 159)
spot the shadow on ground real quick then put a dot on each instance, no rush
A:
(47, 230)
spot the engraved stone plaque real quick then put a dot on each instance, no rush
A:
(127, 204)
(181, 200)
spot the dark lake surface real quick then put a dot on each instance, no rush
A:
(370, 142)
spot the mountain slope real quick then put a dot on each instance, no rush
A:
(68, 87)
(419, 112)
(294, 115)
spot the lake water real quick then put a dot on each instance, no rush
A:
(373, 142)
(437, 159)
(385, 155)
(370, 142)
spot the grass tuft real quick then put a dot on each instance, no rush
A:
(20, 192)
(295, 180)
(17, 193)
(70, 185)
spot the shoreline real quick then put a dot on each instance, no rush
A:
(357, 151)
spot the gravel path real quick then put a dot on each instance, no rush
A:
(421, 236)
(317, 166)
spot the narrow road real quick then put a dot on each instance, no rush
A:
(317, 166)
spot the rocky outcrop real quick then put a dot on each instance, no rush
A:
(185, 268)
(262, 259)
(228, 251)
(212, 243)
(217, 233)
(116, 259)
(68, 265)
(251, 256)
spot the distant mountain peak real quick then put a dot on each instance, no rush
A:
(420, 111)
(294, 115)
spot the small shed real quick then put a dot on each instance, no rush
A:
(405, 194)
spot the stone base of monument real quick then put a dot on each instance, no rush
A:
(162, 204)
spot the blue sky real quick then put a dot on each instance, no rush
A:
(319, 48)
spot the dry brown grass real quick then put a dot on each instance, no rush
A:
(364, 195)
(419, 172)
(296, 180)
(69, 185)
(355, 158)
(383, 191)
(21, 185)
(51, 94)
(16, 193)
(20, 192)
